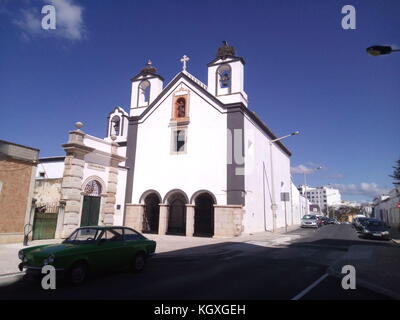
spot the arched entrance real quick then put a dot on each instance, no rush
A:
(177, 214)
(151, 215)
(91, 204)
(204, 215)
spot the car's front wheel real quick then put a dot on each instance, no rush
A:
(77, 274)
(139, 262)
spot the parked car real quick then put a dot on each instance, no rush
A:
(310, 221)
(358, 223)
(324, 219)
(374, 228)
(332, 221)
(89, 250)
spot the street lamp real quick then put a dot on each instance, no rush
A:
(274, 206)
(380, 50)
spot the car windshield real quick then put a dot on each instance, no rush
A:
(85, 235)
(309, 217)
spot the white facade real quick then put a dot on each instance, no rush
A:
(216, 126)
(387, 208)
(50, 168)
(324, 197)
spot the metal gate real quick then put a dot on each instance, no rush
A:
(45, 222)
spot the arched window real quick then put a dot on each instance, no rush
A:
(181, 108)
(224, 75)
(144, 93)
(93, 189)
(115, 126)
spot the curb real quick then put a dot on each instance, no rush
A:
(367, 285)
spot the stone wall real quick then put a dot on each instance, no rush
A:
(47, 191)
(134, 216)
(228, 221)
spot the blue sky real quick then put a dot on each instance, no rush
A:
(303, 72)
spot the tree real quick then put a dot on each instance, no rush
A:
(396, 173)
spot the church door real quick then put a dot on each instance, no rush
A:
(177, 217)
(151, 214)
(204, 216)
(90, 211)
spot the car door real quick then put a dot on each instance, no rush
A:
(134, 242)
(107, 254)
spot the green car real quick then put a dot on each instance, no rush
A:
(90, 249)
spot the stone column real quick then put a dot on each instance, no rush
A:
(228, 221)
(163, 222)
(190, 220)
(72, 179)
(110, 201)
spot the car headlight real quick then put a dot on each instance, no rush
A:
(385, 232)
(21, 255)
(50, 260)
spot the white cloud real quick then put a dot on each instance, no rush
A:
(364, 189)
(69, 21)
(301, 169)
(29, 21)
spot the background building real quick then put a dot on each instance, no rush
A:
(17, 178)
(387, 208)
(323, 197)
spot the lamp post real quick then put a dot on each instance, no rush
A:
(380, 50)
(274, 206)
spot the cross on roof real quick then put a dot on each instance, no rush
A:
(184, 60)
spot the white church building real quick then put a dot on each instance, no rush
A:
(187, 158)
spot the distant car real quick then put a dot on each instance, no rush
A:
(358, 223)
(324, 219)
(87, 250)
(332, 221)
(374, 228)
(310, 221)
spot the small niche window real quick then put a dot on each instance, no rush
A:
(179, 140)
(181, 108)
(115, 125)
(144, 93)
(224, 77)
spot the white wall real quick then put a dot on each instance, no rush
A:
(204, 164)
(387, 210)
(258, 182)
(52, 170)
(237, 82)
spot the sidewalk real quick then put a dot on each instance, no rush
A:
(9, 252)
(377, 268)
(395, 234)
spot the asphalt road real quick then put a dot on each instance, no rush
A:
(230, 270)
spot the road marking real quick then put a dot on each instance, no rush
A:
(310, 287)
(10, 275)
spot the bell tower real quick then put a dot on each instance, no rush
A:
(226, 76)
(146, 86)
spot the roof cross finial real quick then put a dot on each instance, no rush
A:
(184, 61)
